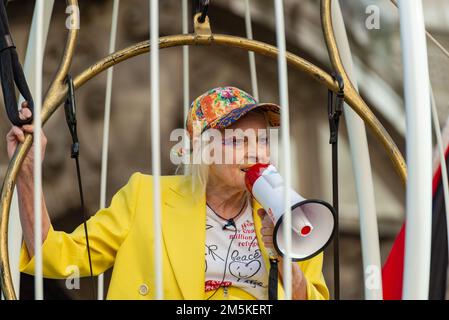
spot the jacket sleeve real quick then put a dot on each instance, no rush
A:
(316, 285)
(63, 253)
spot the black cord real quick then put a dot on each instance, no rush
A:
(273, 279)
(201, 6)
(230, 221)
(80, 187)
(70, 112)
(334, 113)
(336, 242)
(203, 16)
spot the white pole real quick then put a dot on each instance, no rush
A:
(362, 171)
(107, 117)
(37, 94)
(419, 151)
(30, 56)
(185, 58)
(155, 145)
(286, 152)
(431, 37)
(441, 151)
(251, 55)
(185, 69)
(14, 227)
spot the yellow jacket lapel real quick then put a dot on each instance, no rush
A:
(183, 228)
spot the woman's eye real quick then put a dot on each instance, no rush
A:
(236, 142)
(228, 142)
(263, 140)
(239, 142)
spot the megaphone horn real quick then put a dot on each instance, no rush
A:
(313, 221)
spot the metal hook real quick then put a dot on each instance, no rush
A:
(70, 116)
(335, 107)
(340, 94)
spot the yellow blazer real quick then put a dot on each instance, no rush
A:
(121, 236)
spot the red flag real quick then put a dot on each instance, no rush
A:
(393, 269)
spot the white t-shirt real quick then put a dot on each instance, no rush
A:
(245, 267)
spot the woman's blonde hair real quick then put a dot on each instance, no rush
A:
(196, 175)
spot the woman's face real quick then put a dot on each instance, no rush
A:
(244, 143)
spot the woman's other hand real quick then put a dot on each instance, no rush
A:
(267, 229)
(299, 285)
(17, 135)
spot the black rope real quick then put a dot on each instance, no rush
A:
(334, 109)
(201, 6)
(11, 73)
(70, 113)
(273, 279)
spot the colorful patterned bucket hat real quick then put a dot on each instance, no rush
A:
(220, 107)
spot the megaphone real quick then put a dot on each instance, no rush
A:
(313, 221)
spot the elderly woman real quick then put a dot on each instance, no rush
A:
(216, 237)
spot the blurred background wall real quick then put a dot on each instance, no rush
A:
(377, 57)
